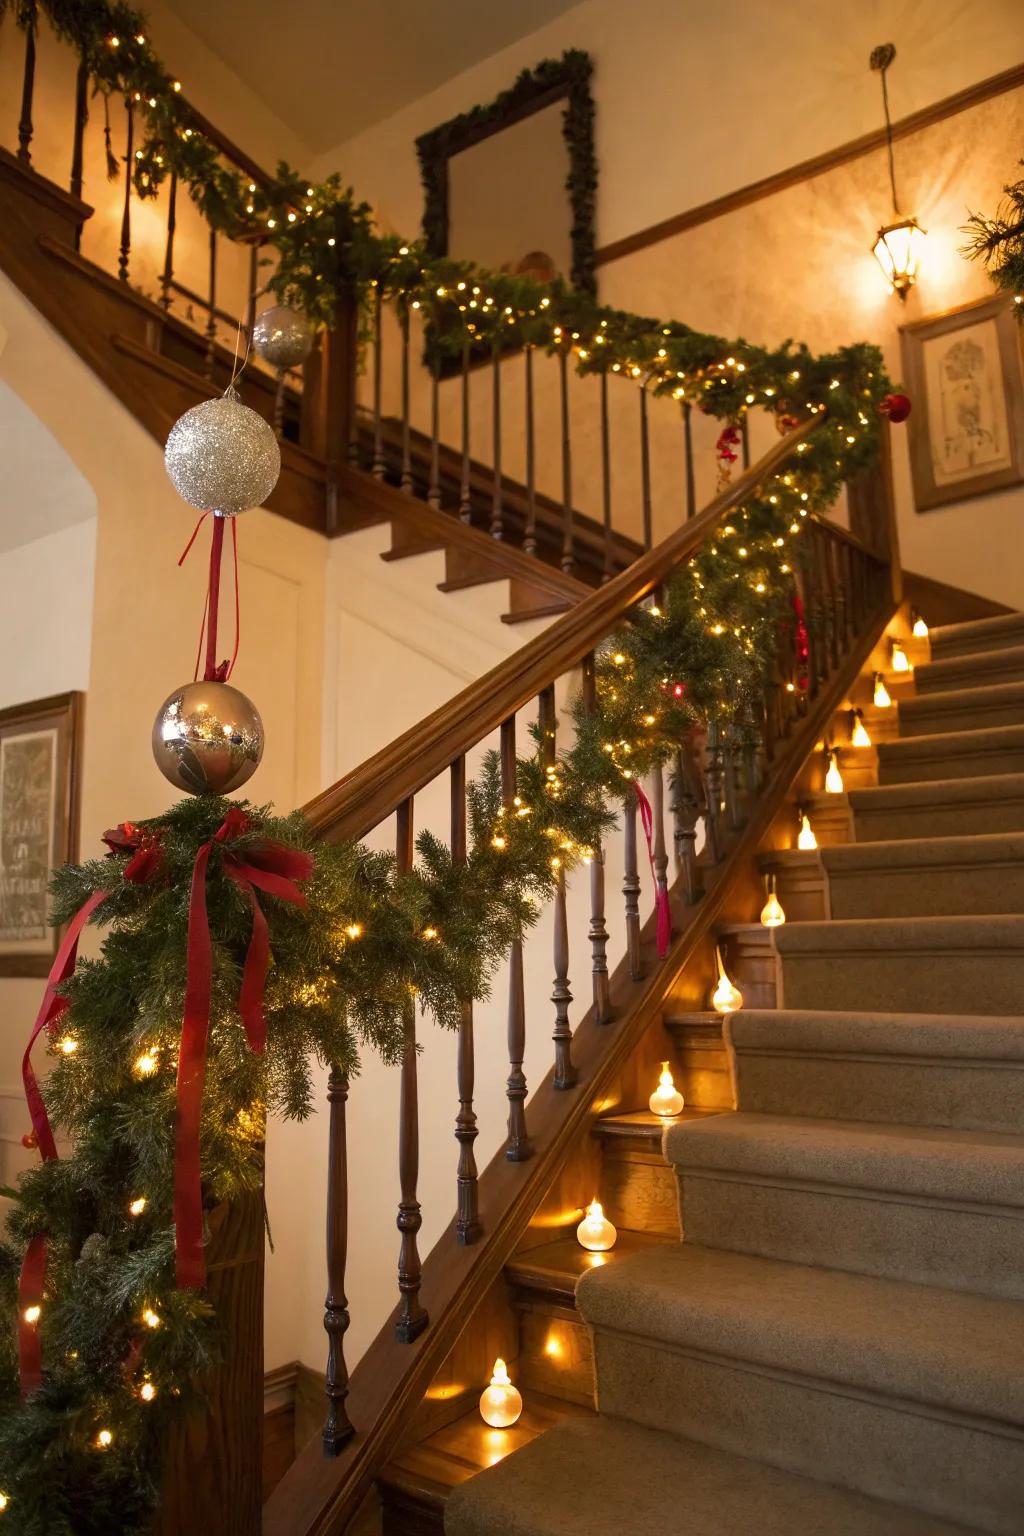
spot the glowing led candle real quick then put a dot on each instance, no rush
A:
(772, 915)
(859, 735)
(726, 998)
(881, 698)
(834, 779)
(500, 1402)
(806, 839)
(666, 1098)
(595, 1232)
(900, 659)
(920, 630)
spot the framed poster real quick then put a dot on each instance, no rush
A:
(39, 772)
(963, 372)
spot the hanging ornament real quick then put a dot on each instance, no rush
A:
(725, 453)
(222, 457)
(207, 738)
(896, 407)
(282, 337)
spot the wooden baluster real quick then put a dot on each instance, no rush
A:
(78, 142)
(468, 1226)
(465, 502)
(734, 769)
(412, 1317)
(713, 792)
(567, 519)
(278, 421)
(403, 321)
(813, 615)
(518, 1148)
(841, 569)
(598, 930)
(745, 440)
(608, 568)
(338, 1428)
(685, 815)
(566, 1075)
(660, 852)
(377, 469)
(497, 511)
(825, 549)
(254, 282)
(28, 85)
(211, 337)
(530, 538)
(631, 886)
(126, 216)
(434, 488)
(691, 483)
(167, 275)
(645, 469)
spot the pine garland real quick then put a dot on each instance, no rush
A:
(999, 241)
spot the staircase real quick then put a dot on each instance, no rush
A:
(838, 1345)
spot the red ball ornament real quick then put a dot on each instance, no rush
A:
(896, 407)
(29, 1141)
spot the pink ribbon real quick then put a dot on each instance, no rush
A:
(662, 908)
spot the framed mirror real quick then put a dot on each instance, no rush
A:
(512, 185)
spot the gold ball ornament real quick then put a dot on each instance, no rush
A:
(222, 457)
(282, 337)
(207, 738)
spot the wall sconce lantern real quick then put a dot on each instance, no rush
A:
(897, 247)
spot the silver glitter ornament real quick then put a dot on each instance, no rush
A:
(222, 456)
(207, 738)
(282, 337)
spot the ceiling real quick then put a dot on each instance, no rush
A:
(329, 68)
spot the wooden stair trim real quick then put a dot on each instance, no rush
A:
(321, 1495)
(363, 798)
(551, 1270)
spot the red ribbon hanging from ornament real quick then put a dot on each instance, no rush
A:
(662, 908)
(270, 867)
(215, 671)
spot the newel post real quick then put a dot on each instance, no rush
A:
(327, 423)
(213, 1456)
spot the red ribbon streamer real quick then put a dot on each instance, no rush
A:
(269, 867)
(214, 671)
(33, 1268)
(662, 907)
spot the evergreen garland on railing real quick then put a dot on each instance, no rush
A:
(999, 242)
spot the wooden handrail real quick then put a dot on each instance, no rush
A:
(363, 798)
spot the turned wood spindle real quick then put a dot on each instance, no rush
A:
(126, 215)
(568, 533)
(518, 1147)
(403, 318)
(566, 1075)
(412, 1316)
(598, 929)
(211, 335)
(645, 469)
(691, 483)
(28, 85)
(631, 886)
(167, 275)
(530, 534)
(497, 509)
(713, 774)
(468, 1226)
(465, 500)
(434, 486)
(338, 1428)
(607, 568)
(78, 141)
(685, 807)
(377, 468)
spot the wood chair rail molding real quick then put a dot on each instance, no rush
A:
(702, 213)
(363, 798)
(319, 1496)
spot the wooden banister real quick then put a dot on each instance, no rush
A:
(363, 798)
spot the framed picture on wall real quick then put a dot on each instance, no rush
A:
(39, 785)
(962, 369)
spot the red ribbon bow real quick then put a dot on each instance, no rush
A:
(269, 867)
(662, 906)
(147, 859)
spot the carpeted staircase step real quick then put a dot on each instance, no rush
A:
(906, 964)
(952, 755)
(1005, 629)
(962, 709)
(975, 671)
(960, 1070)
(937, 1207)
(901, 1391)
(927, 877)
(606, 1477)
(943, 808)
(550, 1271)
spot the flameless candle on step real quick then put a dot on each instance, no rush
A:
(726, 998)
(666, 1099)
(859, 736)
(881, 697)
(833, 778)
(772, 915)
(595, 1232)
(500, 1402)
(900, 659)
(920, 629)
(806, 840)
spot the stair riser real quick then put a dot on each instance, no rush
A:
(892, 1451)
(887, 1091)
(927, 891)
(985, 673)
(939, 820)
(883, 981)
(931, 715)
(638, 1192)
(868, 1232)
(978, 642)
(900, 768)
